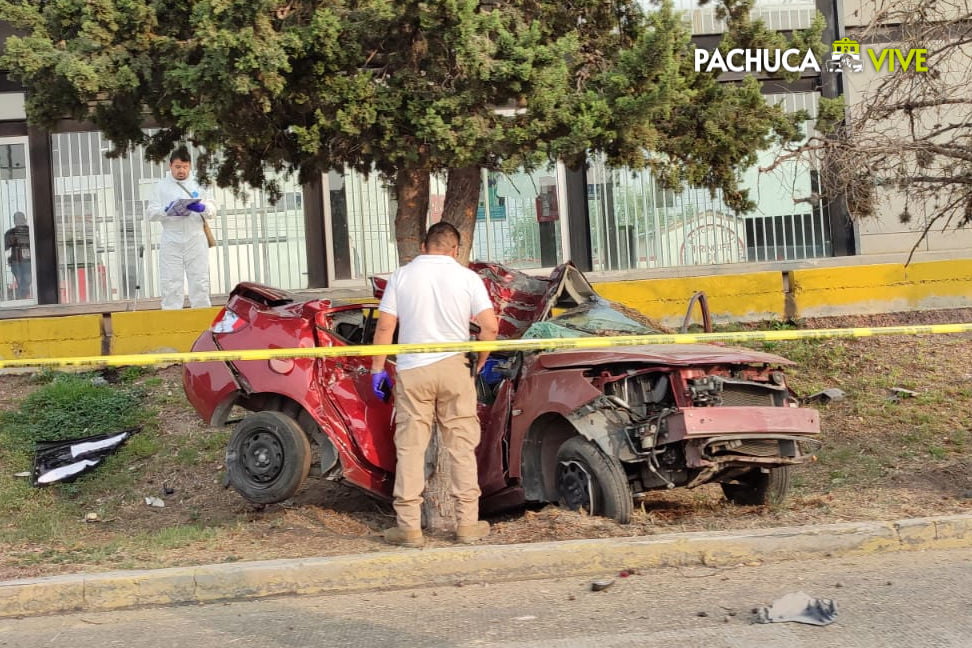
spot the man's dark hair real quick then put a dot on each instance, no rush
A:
(442, 235)
(181, 154)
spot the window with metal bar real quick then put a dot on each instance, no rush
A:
(635, 223)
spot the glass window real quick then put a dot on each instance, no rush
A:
(637, 224)
(361, 223)
(789, 221)
(13, 162)
(777, 14)
(518, 222)
(17, 270)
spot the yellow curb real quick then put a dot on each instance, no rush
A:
(116, 590)
(935, 533)
(41, 596)
(247, 580)
(406, 568)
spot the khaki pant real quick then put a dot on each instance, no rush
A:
(443, 390)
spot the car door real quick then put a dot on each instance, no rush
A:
(492, 453)
(346, 380)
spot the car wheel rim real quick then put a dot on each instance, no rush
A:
(262, 457)
(574, 484)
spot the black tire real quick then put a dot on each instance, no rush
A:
(268, 457)
(589, 479)
(758, 488)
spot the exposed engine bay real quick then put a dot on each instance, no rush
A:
(666, 451)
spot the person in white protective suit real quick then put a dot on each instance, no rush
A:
(184, 250)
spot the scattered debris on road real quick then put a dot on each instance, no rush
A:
(798, 608)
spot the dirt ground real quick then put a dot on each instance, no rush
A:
(328, 519)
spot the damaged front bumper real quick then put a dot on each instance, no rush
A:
(757, 421)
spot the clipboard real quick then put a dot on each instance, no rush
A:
(180, 207)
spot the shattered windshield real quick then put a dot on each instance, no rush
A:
(602, 317)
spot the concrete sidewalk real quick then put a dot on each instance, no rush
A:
(403, 568)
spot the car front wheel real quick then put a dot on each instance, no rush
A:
(268, 457)
(757, 488)
(590, 480)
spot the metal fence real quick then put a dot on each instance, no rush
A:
(517, 222)
(636, 223)
(108, 251)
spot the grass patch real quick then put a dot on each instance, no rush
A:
(67, 407)
(177, 536)
(881, 458)
(118, 552)
(876, 431)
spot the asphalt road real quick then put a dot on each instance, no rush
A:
(913, 599)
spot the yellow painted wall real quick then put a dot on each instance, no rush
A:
(757, 295)
(816, 292)
(152, 331)
(50, 337)
(883, 288)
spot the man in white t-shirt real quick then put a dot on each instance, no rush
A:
(432, 299)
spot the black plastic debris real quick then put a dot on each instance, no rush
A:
(63, 461)
(601, 585)
(798, 608)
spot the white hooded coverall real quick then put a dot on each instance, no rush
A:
(183, 251)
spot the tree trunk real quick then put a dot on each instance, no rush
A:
(412, 194)
(438, 508)
(462, 198)
(461, 202)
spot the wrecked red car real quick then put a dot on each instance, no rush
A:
(592, 429)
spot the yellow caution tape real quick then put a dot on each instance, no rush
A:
(497, 345)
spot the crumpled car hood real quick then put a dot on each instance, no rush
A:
(668, 354)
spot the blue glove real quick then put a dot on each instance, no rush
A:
(380, 382)
(197, 207)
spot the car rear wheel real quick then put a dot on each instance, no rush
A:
(268, 457)
(590, 480)
(757, 488)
